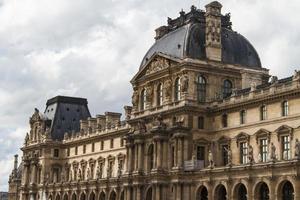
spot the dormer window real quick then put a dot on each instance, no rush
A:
(201, 89)
(227, 88)
(177, 89)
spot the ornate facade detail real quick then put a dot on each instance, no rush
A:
(157, 64)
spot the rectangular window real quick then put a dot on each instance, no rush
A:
(68, 152)
(102, 145)
(93, 147)
(84, 149)
(243, 117)
(286, 147)
(264, 150)
(263, 112)
(225, 154)
(173, 157)
(200, 122)
(76, 150)
(224, 121)
(56, 153)
(111, 143)
(200, 153)
(243, 153)
(121, 142)
(285, 108)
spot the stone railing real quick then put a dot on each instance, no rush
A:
(192, 165)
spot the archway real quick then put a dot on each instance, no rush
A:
(202, 193)
(83, 196)
(113, 196)
(66, 197)
(122, 197)
(262, 191)
(287, 191)
(74, 197)
(92, 196)
(57, 197)
(240, 192)
(220, 193)
(149, 194)
(102, 196)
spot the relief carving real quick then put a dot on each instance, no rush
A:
(157, 65)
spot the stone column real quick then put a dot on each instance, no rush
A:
(140, 156)
(128, 193)
(155, 155)
(25, 172)
(296, 189)
(165, 154)
(33, 172)
(272, 192)
(178, 191)
(159, 154)
(129, 159)
(180, 153)
(176, 153)
(157, 192)
(136, 157)
(138, 193)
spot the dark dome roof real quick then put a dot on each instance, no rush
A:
(188, 41)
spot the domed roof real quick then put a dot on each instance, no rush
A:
(188, 41)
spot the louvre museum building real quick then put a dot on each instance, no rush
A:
(207, 122)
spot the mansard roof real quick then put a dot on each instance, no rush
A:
(65, 114)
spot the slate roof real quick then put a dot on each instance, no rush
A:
(186, 38)
(65, 114)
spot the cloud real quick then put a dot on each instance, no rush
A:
(92, 48)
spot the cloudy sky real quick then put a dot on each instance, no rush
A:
(92, 48)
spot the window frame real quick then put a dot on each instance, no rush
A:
(284, 108)
(263, 112)
(159, 94)
(243, 114)
(177, 89)
(143, 100)
(227, 88)
(201, 88)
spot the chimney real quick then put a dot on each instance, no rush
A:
(213, 31)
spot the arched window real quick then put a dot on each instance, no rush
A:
(243, 116)
(143, 100)
(285, 108)
(264, 192)
(224, 120)
(263, 112)
(201, 89)
(202, 194)
(159, 95)
(177, 89)
(227, 88)
(287, 191)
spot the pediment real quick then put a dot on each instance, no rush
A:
(262, 133)
(223, 139)
(284, 129)
(158, 62)
(242, 137)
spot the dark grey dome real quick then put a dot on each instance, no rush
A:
(188, 41)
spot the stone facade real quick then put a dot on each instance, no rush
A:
(197, 129)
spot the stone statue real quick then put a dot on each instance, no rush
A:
(135, 99)
(99, 172)
(210, 159)
(142, 126)
(297, 149)
(149, 94)
(259, 158)
(26, 139)
(168, 88)
(250, 155)
(296, 74)
(70, 175)
(88, 174)
(273, 152)
(79, 175)
(185, 84)
(119, 169)
(229, 156)
(274, 79)
(253, 86)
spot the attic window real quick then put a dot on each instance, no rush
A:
(68, 109)
(179, 46)
(74, 119)
(48, 110)
(51, 109)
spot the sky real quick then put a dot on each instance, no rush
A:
(92, 49)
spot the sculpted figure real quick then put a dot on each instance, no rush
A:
(273, 152)
(149, 94)
(79, 175)
(99, 172)
(229, 156)
(26, 139)
(210, 159)
(135, 98)
(168, 88)
(297, 149)
(185, 84)
(88, 175)
(250, 154)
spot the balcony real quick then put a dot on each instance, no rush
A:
(193, 165)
